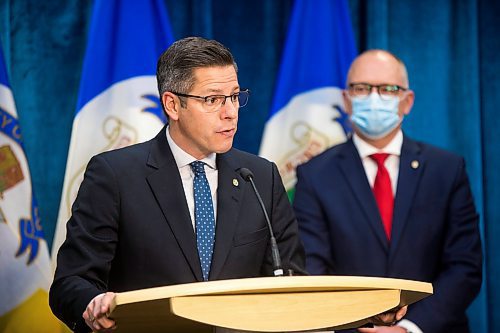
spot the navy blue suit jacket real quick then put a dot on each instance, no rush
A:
(130, 227)
(435, 235)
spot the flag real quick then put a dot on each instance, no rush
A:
(118, 103)
(307, 115)
(25, 271)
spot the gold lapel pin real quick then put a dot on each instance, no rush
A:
(235, 182)
(414, 164)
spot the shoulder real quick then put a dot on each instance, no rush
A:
(260, 167)
(329, 157)
(135, 151)
(430, 152)
(138, 152)
(126, 160)
(244, 158)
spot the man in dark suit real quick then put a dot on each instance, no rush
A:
(351, 222)
(137, 221)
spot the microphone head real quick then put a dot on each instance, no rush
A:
(246, 174)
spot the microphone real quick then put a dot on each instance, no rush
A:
(247, 175)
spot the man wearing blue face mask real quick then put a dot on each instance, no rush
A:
(382, 204)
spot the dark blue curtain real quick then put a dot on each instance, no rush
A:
(450, 47)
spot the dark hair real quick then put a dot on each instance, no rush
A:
(175, 69)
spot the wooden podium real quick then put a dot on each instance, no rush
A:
(269, 304)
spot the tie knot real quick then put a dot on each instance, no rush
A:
(379, 158)
(198, 167)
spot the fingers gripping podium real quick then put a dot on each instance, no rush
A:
(270, 304)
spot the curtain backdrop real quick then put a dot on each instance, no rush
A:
(450, 47)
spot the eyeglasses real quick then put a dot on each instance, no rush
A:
(386, 91)
(213, 103)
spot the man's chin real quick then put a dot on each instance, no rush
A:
(375, 138)
(224, 148)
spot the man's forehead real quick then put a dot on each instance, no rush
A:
(216, 78)
(376, 68)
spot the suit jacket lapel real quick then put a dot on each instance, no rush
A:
(354, 173)
(229, 193)
(166, 184)
(411, 166)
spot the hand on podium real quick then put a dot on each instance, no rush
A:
(96, 313)
(384, 322)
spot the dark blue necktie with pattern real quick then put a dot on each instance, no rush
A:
(204, 217)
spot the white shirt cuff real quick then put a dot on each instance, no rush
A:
(409, 326)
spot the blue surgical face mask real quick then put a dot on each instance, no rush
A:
(375, 117)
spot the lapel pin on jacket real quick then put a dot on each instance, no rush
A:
(235, 182)
(414, 164)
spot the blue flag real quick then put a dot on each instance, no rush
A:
(307, 114)
(118, 102)
(25, 272)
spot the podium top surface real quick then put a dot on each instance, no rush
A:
(265, 304)
(284, 284)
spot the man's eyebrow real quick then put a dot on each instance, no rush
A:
(220, 92)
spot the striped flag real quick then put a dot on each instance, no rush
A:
(307, 115)
(118, 102)
(25, 272)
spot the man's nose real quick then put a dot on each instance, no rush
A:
(228, 109)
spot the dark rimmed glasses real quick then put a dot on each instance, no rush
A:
(386, 91)
(213, 103)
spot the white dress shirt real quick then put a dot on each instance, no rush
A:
(391, 163)
(183, 159)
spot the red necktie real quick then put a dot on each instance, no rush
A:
(382, 189)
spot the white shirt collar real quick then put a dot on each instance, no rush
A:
(183, 159)
(365, 149)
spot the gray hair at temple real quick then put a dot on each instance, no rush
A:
(175, 68)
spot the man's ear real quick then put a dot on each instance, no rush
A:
(347, 102)
(406, 103)
(171, 105)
